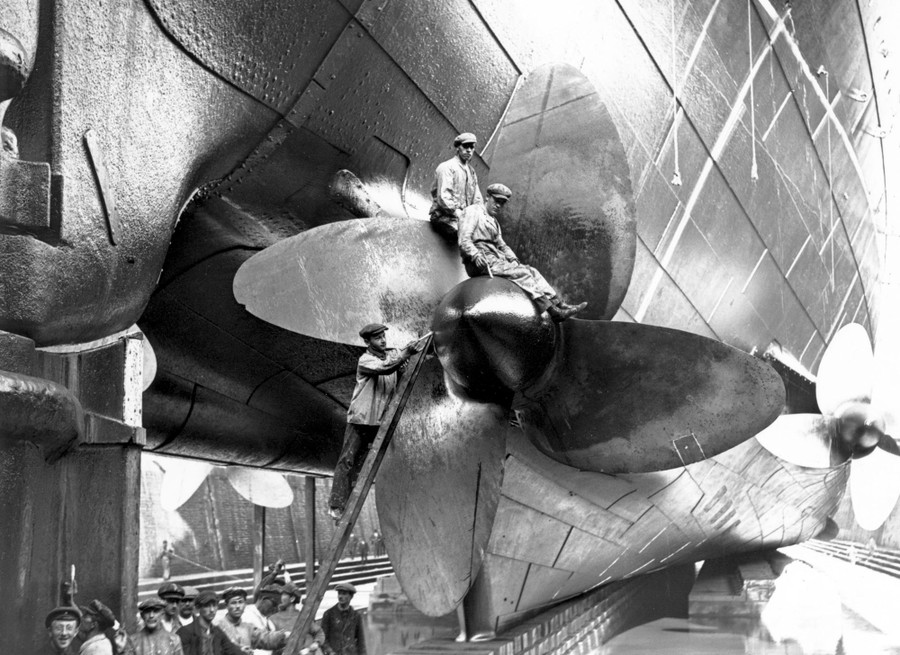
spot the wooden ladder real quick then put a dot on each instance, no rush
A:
(366, 477)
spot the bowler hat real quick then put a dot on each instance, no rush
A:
(171, 591)
(231, 592)
(63, 613)
(371, 330)
(499, 191)
(465, 137)
(155, 603)
(345, 586)
(205, 598)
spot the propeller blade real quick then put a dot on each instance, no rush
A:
(846, 371)
(627, 398)
(801, 439)
(438, 489)
(572, 213)
(874, 487)
(331, 280)
(181, 479)
(264, 488)
(150, 364)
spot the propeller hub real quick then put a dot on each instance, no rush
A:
(491, 338)
(858, 428)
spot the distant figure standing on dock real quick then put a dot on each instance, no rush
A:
(455, 187)
(377, 373)
(363, 549)
(165, 559)
(484, 252)
(344, 633)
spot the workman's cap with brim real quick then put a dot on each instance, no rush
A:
(292, 590)
(371, 330)
(63, 613)
(101, 613)
(345, 586)
(205, 598)
(190, 593)
(171, 591)
(151, 604)
(271, 591)
(465, 137)
(231, 592)
(499, 191)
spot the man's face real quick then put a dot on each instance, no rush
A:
(344, 599)
(87, 625)
(266, 606)
(186, 608)
(465, 151)
(152, 618)
(495, 206)
(207, 612)
(171, 607)
(62, 632)
(378, 342)
(235, 607)
(287, 599)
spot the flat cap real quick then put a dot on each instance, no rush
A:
(205, 598)
(63, 613)
(499, 191)
(345, 586)
(293, 590)
(190, 593)
(171, 590)
(155, 603)
(465, 137)
(270, 591)
(101, 613)
(372, 329)
(231, 592)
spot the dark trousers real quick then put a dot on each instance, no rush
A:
(357, 440)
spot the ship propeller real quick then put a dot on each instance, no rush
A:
(183, 477)
(852, 426)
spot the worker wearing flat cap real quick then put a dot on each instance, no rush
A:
(202, 637)
(186, 606)
(172, 594)
(484, 252)
(246, 633)
(344, 633)
(153, 639)
(455, 187)
(62, 627)
(96, 619)
(376, 379)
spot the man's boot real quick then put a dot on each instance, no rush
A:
(560, 311)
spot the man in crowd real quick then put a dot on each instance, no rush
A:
(153, 639)
(344, 633)
(259, 613)
(171, 594)
(186, 606)
(62, 626)
(455, 187)
(484, 252)
(96, 619)
(287, 613)
(377, 374)
(202, 637)
(246, 635)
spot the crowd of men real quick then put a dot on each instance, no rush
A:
(187, 621)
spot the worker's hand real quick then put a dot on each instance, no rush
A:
(480, 262)
(513, 260)
(412, 347)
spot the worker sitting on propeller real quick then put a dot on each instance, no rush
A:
(376, 379)
(484, 252)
